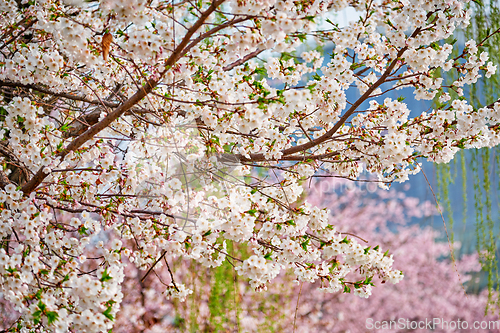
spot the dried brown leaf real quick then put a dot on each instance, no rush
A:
(106, 45)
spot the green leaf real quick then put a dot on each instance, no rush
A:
(37, 316)
(52, 316)
(251, 212)
(355, 66)
(83, 231)
(329, 21)
(435, 46)
(345, 240)
(304, 244)
(64, 127)
(260, 71)
(302, 37)
(107, 313)
(105, 276)
(334, 265)
(41, 306)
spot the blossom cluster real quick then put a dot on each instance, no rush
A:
(222, 300)
(202, 127)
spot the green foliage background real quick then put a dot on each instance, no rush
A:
(477, 169)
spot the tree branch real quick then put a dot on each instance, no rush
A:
(342, 120)
(243, 60)
(128, 104)
(53, 93)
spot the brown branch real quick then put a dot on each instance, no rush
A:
(243, 60)
(4, 180)
(26, 27)
(50, 92)
(18, 168)
(128, 104)
(342, 120)
(235, 158)
(211, 31)
(153, 266)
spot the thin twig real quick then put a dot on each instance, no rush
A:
(353, 235)
(297, 308)
(446, 230)
(153, 266)
(171, 275)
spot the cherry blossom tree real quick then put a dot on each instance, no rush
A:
(136, 131)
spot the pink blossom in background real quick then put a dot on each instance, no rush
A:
(431, 288)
